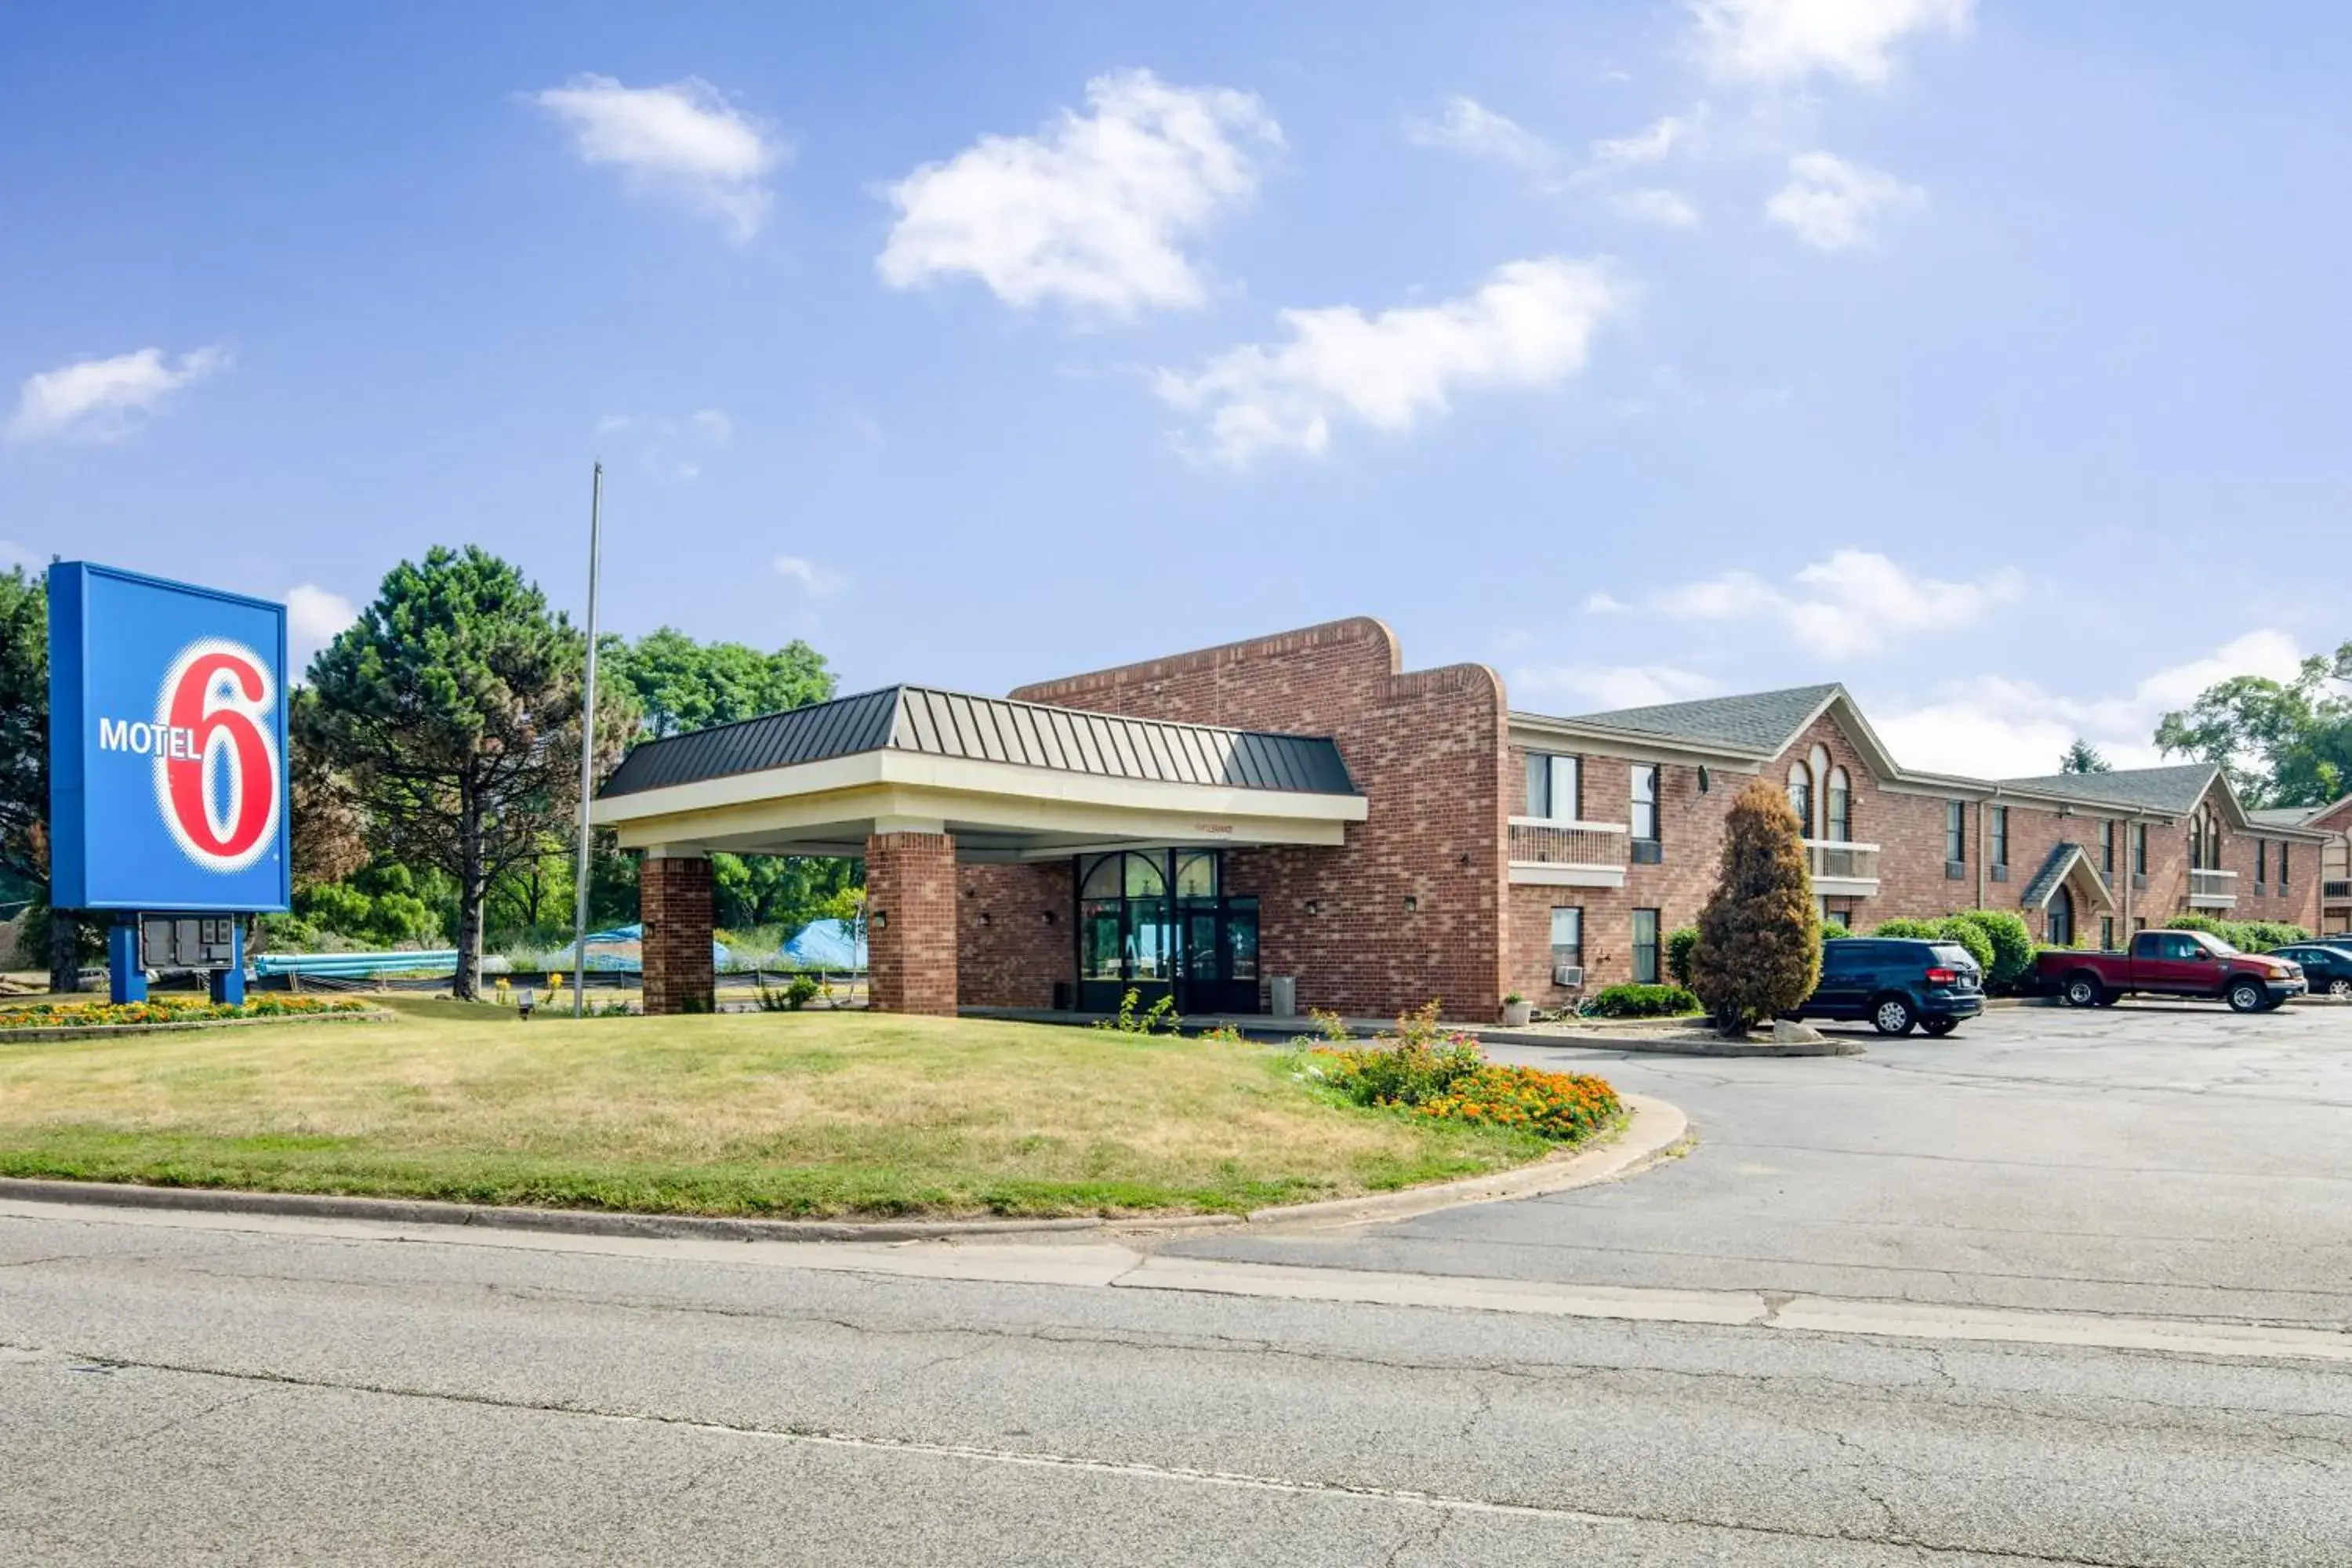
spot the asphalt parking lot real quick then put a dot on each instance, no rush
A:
(2173, 1160)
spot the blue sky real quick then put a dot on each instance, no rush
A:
(1984, 356)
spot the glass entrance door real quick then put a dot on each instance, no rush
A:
(1158, 922)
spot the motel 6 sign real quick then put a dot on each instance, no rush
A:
(167, 745)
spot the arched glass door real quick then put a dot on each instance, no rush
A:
(1160, 922)
(2062, 918)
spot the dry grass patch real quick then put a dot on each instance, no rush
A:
(801, 1114)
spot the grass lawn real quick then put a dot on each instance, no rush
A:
(770, 1114)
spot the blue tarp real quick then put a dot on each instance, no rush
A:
(355, 965)
(827, 945)
(624, 948)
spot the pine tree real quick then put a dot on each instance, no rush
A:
(1760, 937)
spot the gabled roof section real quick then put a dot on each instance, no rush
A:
(2174, 790)
(2282, 816)
(2065, 859)
(1761, 721)
(934, 722)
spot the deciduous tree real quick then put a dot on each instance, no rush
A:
(24, 760)
(681, 684)
(1760, 937)
(2282, 742)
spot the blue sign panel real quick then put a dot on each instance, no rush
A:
(167, 745)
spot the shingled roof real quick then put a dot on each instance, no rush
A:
(2175, 789)
(1757, 722)
(933, 723)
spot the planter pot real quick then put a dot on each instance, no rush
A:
(1517, 1014)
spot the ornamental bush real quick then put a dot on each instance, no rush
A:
(2012, 942)
(1679, 944)
(1759, 942)
(2246, 936)
(1640, 1002)
(1949, 929)
(1423, 1073)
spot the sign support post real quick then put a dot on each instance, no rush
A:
(126, 976)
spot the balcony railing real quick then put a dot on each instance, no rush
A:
(1839, 868)
(1568, 853)
(2336, 890)
(2212, 890)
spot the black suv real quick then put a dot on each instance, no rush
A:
(1897, 983)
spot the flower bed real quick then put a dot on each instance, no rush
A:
(1424, 1073)
(112, 1015)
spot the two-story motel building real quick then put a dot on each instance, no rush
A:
(1300, 806)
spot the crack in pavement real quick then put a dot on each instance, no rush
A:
(1132, 1469)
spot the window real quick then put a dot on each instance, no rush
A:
(2204, 841)
(1645, 947)
(2139, 924)
(2058, 920)
(1955, 833)
(2281, 879)
(2139, 850)
(1840, 919)
(2262, 861)
(1645, 802)
(1801, 796)
(2108, 849)
(1999, 852)
(1567, 937)
(1841, 822)
(1555, 788)
(2107, 934)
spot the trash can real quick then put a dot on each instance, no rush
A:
(1282, 996)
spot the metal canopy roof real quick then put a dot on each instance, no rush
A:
(925, 720)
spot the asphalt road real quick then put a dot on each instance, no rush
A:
(200, 1390)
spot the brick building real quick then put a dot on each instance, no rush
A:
(1300, 806)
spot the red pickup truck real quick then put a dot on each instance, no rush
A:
(2171, 964)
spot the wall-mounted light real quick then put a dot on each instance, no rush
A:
(1412, 903)
(1705, 781)
(983, 917)
(1464, 861)
(881, 919)
(1045, 915)
(1314, 906)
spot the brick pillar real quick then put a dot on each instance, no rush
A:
(910, 929)
(674, 904)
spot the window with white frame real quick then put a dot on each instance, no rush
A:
(1801, 796)
(1644, 827)
(1567, 937)
(1839, 828)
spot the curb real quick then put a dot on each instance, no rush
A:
(53, 1034)
(1831, 1047)
(1653, 1131)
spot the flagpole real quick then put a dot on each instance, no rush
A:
(587, 756)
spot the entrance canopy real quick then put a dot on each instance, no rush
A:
(1008, 781)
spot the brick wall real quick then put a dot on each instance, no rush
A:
(911, 937)
(1014, 935)
(1426, 748)
(673, 904)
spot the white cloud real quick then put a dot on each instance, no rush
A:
(1831, 203)
(1615, 686)
(101, 399)
(1854, 602)
(1091, 209)
(1530, 325)
(673, 450)
(682, 140)
(1600, 604)
(1770, 42)
(1469, 127)
(1667, 208)
(1647, 147)
(817, 582)
(313, 616)
(1998, 728)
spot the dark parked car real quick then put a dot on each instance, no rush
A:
(1897, 983)
(2326, 965)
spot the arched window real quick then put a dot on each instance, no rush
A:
(1801, 796)
(1840, 812)
(2060, 924)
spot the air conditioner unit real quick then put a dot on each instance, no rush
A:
(1571, 974)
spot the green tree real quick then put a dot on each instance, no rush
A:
(1760, 937)
(450, 712)
(681, 684)
(2282, 742)
(2082, 757)
(25, 765)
